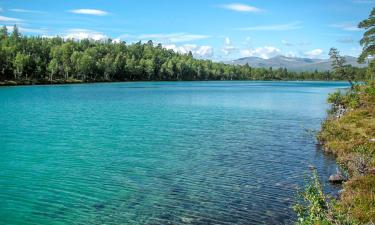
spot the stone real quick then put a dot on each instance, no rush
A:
(336, 179)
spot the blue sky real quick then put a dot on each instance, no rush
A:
(213, 29)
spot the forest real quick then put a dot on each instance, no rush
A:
(40, 60)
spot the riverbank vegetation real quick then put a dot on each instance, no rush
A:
(348, 133)
(38, 60)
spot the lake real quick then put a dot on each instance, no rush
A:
(159, 152)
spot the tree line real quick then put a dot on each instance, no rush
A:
(28, 60)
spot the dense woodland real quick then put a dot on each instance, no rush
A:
(28, 60)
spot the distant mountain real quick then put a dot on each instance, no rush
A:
(293, 63)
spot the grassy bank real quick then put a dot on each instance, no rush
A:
(349, 134)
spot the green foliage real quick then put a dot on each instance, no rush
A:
(314, 207)
(54, 60)
(368, 40)
(368, 43)
(349, 99)
(335, 98)
(370, 90)
(347, 72)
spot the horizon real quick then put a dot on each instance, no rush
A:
(233, 30)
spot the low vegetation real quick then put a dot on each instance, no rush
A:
(350, 135)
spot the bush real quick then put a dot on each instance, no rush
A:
(314, 207)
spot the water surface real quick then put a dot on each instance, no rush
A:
(158, 152)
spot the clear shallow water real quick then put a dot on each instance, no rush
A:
(158, 153)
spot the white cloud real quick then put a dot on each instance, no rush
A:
(247, 41)
(275, 27)
(346, 26)
(25, 11)
(172, 38)
(304, 43)
(265, 52)
(95, 12)
(9, 19)
(287, 43)
(228, 48)
(80, 34)
(240, 7)
(291, 54)
(346, 40)
(314, 53)
(27, 30)
(198, 51)
(227, 41)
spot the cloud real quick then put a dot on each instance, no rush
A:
(228, 48)
(95, 12)
(80, 34)
(346, 40)
(304, 43)
(346, 26)
(275, 27)
(314, 53)
(198, 51)
(9, 19)
(265, 52)
(287, 43)
(227, 41)
(27, 30)
(291, 54)
(240, 7)
(25, 11)
(171, 38)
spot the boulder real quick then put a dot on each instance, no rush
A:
(337, 179)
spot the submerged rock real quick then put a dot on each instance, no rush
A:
(337, 178)
(99, 206)
(187, 220)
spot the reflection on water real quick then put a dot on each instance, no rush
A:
(158, 153)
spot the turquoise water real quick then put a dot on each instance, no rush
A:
(158, 152)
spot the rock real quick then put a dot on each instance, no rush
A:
(371, 170)
(340, 111)
(372, 140)
(336, 179)
(186, 220)
(99, 206)
(10, 83)
(311, 167)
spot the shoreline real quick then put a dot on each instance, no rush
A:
(11, 83)
(348, 134)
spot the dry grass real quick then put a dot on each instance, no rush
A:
(358, 199)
